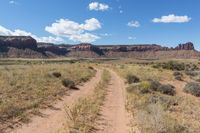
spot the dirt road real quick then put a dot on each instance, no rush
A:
(54, 119)
(114, 118)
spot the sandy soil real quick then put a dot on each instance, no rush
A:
(53, 120)
(114, 118)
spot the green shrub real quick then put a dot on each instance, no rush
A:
(154, 85)
(90, 67)
(140, 88)
(176, 73)
(69, 83)
(179, 77)
(144, 87)
(191, 73)
(192, 88)
(171, 65)
(167, 89)
(192, 67)
(132, 79)
(56, 74)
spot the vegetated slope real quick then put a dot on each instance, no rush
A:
(52, 120)
(27, 47)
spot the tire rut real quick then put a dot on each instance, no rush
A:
(54, 119)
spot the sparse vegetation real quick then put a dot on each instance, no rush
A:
(151, 112)
(153, 103)
(178, 75)
(167, 89)
(56, 74)
(171, 65)
(152, 85)
(193, 88)
(191, 73)
(83, 114)
(69, 83)
(26, 88)
(154, 106)
(132, 79)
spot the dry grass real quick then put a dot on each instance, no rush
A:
(189, 112)
(143, 72)
(83, 115)
(26, 88)
(154, 112)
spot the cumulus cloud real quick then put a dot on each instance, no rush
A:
(75, 31)
(98, 6)
(133, 24)
(6, 32)
(172, 19)
(91, 24)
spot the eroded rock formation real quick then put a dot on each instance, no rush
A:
(27, 47)
(21, 42)
(186, 46)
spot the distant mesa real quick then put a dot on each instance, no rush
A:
(27, 47)
(21, 42)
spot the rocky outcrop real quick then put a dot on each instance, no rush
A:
(19, 47)
(186, 46)
(20, 42)
(86, 47)
(53, 49)
(128, 48)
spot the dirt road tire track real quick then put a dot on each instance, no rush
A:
(54, 120)
(114, 118)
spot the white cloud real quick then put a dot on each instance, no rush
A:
(121, 11)
(133, 24)
(98, 6)
(172, 19)
(13, 2)
(6, 32)
(49, 39)
(91, 24)
(131, 38)
(85, 37)
(75, 31)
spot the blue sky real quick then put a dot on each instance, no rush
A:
(165, 22)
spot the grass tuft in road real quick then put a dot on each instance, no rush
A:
(83, 115)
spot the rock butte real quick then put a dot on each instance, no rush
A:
(27, 47)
